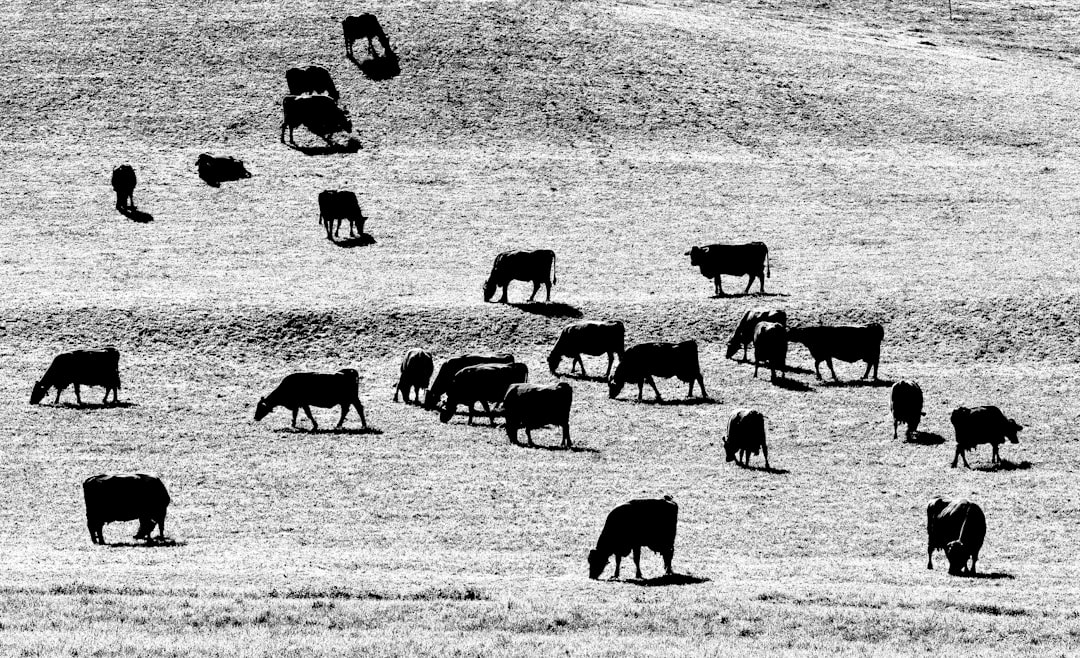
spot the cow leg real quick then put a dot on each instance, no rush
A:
(828, 362)
(929, 556)
(398, 391)
(637, 562)
(610, 362)
(750, 282)
(506, 289)
(582, 364)
(640, 385)
(536, 289)
(995, 458)
(56, 400)
(756, 362)
(105, 400)
(717, 288)
(314, 425)
(701, 385)
(528, 435)
(344, 412)
(78, 398)
(618, 562)
(471, 412)
(491, 415)
(817, 369)
(668, 556)
(566, 435)
(895, 424)
(294, 414)
(547, 284)
(974, 558)
(961, 455)
(360, 410)
(761, 277)
(652, 382)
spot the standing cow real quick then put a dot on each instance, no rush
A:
(215, 170)
(744, 331)
(648, 522)
(641, 362)
(340, 205)
(770, 348)
(982, 425)
(303, 390)
(530, 406)
(454, 365)
(95, 367)
(846, 342)
(588, 337)
(957, 527)
(125, 497)
(416, 369)
(734, 260)
(745, 437)
(486, 383)
(310, 80)
(364, 26)
(318, 113)
(537, 267)
(906, 405)
(123, 183)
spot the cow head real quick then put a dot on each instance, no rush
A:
(430, 399)
(615, 385)
(730, 450)
(489, 289)
(38, 394)
(695, 255)
(446, 413)
(1013, 428)
(958, 556)
(597, 563)
(262, 409)
(732, 348)
(553, 361)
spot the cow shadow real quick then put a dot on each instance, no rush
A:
(352, 145)
(380, 67)
(737, 295)
(791, 385)
(770, 470)
(136, 215)
(331, 430)
(155, 542)
(856, 383)
(555, 448)
(363, 240)
(1003, 465)
(549, 309)
(96, 406)
(667, 580)
(996, 575)
(677, 402)
(926, 439)
(582, 378)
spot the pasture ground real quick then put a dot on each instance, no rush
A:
(903, 168)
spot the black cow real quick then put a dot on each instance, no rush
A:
(310, 80)
(535, 266)
(303, 390)
(745, 437)
(123, 183)
(734, 260)
(530, 406)
(906, 405)
(125, 497)
(340, 205)
(96, 367)
(416, 369)
(982, 425)
(451, 367)
(217, 170)
(846, 342)
(588, 337)
(744, 331)
(318, 113)
(641, 362)
(957, 527)
(648, 522)
(486, 383)
(364, 26)
(770, 348)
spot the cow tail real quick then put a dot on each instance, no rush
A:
(768, 271)
(554, 276)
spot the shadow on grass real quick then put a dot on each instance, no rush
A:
(584, 378)
(332, 430)
(352, 145)
(736, 295)
(364, 240)
(95, 406)
(997, 575)
(664, 581)
(926, 439)
(857, 383)
(769, 470)
(1003, 465)
(678, 402)
(549, 309)
(167, 542)
(378, 68)
(136, 215)
(537, 446)
(791, 385)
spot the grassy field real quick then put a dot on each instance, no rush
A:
(903, 168)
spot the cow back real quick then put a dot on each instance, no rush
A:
(124, 496)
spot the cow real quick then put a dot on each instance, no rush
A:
(125, 497)
(641, 362)
(486, 383)
(588, 337)
(94, 367)
(750, 259)
(530, 406)
(647, 522)
(310, 80)
(123, 183)
(745, 437)
(958, 527)
(906, 405)
(215, 170)
(451, 367)
(982, 425)
(364, 26)
(340, 205)
(846, 342)
(416, 369)
(318, 113)
(770, 348)
(535, 266)
(303, 390)
(744, 331)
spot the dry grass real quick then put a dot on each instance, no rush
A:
(926, 187)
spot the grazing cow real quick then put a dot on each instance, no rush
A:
(310, 80)
(364, 26)
(217, 170)
(982, 425)
(123, 183)
(744, 331)
(340, 205)
(745, 437)
(452, 367)
(303, 390)
(535, 266)
(770, 347)
(530, 406)
(641, 362)
(416, 369)
(486, 383)
(318, 113)
(125, 497)
(648, 522)
(734, 260)
(957, 527)
(906, 405)
(847, 343)
(97, 367)
(588, 337)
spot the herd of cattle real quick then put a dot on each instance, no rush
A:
(499, 384)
